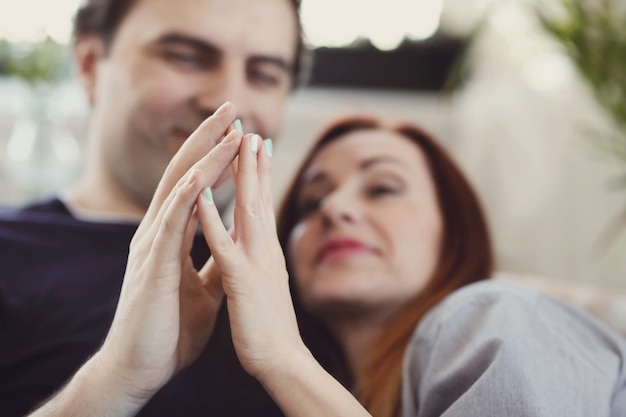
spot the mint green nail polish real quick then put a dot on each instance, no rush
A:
(269, 147)
(208, 195)
(254, 143)
(237, 126)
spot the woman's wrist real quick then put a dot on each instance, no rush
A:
(300, 386)
(284, 366)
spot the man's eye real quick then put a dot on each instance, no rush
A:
(180, 57)
(263, 78)
(191, 59)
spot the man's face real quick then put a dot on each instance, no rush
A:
(171, 64)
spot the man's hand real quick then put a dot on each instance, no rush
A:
(167, 309)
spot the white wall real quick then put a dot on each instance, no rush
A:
(541, 179)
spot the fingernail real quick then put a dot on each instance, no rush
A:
(254, 143)
(208, 195)
(237, 126)
(269, 147)
(222, 108)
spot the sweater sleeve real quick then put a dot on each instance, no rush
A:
(493, 349)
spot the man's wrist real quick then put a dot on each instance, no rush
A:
(94, 390)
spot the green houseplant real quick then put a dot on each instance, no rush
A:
(41, 154)
(36, 63)
(593, 35)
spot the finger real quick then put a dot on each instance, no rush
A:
(222, 246)
(265, 179)
(149, 227)
(247, 203)
(234, 167)
(208, 169)
(190, 232)
(174, 224)
(201, 141)
(215, 164)
(209, 270)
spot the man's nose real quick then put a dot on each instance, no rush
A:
(228, 82)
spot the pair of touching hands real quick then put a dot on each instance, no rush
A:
(167, 308)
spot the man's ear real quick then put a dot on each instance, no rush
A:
(89, 50)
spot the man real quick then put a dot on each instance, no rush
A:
(152, 70)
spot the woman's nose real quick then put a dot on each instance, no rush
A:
(339, 207)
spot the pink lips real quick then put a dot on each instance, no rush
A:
(341, 248)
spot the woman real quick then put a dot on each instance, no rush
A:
(448, 243)
(382, 236)
(379, 227)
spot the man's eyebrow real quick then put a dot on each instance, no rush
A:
(180, 38)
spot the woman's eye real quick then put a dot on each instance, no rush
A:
(381, 190)
(307, 207)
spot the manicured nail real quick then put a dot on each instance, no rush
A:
(222, 108)
(208, 195)
(269, 147)
(254, 143)
(237, 126)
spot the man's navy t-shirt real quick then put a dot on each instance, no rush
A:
(60, 279)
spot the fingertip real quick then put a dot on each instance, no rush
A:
(223, 109)
(231, 137)
(268, 145)
(207, 210)
(265, 156)
(207, 195)
(254, 143)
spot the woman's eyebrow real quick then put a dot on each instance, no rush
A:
(320, 177)
(313, 178)
(368, 163)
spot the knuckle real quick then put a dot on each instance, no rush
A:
(253, 209)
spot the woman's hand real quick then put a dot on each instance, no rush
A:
(167, 309)
(262, 319)
(252, 265)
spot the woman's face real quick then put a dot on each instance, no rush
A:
(369, 232)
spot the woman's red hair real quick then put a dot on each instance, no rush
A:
(465, 257)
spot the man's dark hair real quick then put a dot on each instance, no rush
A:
(103, 18)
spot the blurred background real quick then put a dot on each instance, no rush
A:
(527, 95)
